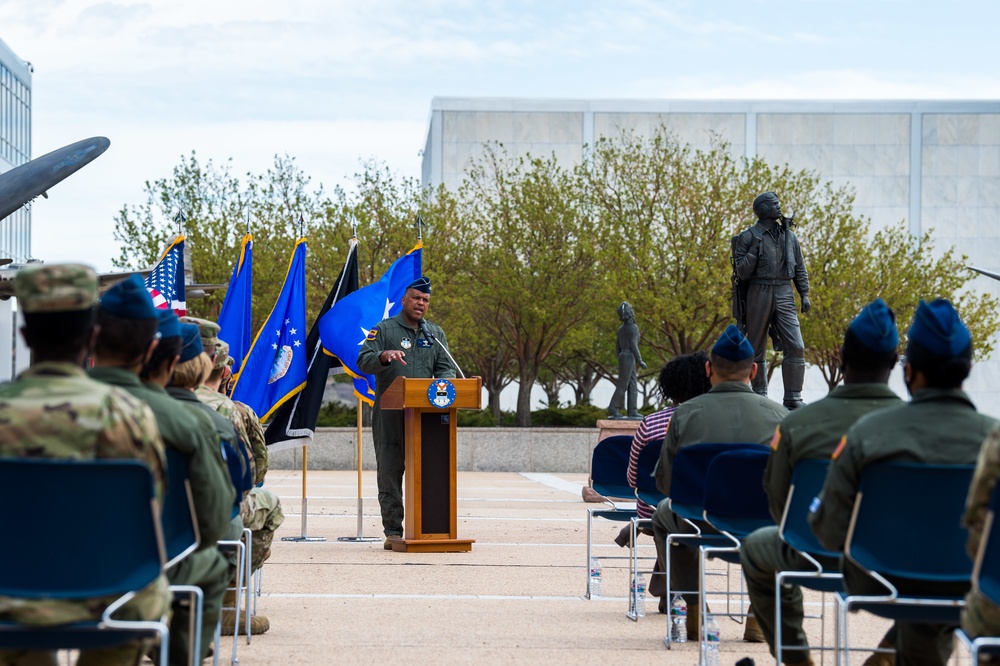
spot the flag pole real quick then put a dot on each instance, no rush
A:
(361, 536)
(305, 504)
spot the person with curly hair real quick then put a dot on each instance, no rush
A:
(682, 378)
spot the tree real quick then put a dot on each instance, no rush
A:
(529, 252)
(849, 267)
(217, 205)
(669, 214)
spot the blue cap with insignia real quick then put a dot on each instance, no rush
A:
(422, 283)
(938, 329)
(191, 337)
(129, 299)
(875, 327)
(733, 345)
(169, 325)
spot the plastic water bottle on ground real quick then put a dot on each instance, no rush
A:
(595, 577)
(711, 641)
(639, 596)
(678, 619)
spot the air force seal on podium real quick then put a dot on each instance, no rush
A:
(441, 393)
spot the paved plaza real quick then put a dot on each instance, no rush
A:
(518, 597)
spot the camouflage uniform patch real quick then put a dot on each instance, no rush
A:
(981, 616)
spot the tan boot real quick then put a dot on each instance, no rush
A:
(751, 631)
(258, 624)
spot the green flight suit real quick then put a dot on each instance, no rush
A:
(810, 432)
(192, 435)
(981, 616)
(53, 410)
(423, 359)
(225, 431)
(938, 426)
(729, 412)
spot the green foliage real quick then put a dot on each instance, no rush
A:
(336, 415)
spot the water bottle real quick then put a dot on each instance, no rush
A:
(678, 620)
(595, 577)
(711, 641)
(639, 596)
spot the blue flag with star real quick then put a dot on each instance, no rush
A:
(276, 365)
(237, 311)
(344, 328)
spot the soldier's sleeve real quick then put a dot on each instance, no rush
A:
(983, 482)
(778, 473)
(746, 260)
(214, 493)
(801, 278)
(255, 435)
(443, 367)
(374, 345)
(129, 430)
(829, 520)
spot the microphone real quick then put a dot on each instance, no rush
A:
(427, 336)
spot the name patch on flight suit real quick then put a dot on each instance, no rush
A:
(424, 343)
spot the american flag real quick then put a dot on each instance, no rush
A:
(167, 278)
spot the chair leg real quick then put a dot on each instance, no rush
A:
(590, 537)
(198, 605)
(248, 535)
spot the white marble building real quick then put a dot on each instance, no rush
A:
(935, 164)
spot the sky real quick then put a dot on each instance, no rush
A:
(332, 83)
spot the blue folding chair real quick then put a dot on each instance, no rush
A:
(986, 577)
(645, 490)
(896, 494)
(181, 536)
(808, 477)
(40, 497)
(688, 489)
(735, 505)
(609, 477)
(241, 477)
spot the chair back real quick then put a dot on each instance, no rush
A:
(735, 501)
(180, 526)
(986, 572)
(808, 477)
(688, 474)
(907, 521)
(609, 467)
(84, 528)
(645, 482)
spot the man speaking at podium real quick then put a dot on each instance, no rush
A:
(402, 346)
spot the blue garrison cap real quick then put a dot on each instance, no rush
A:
(422, 283)
(129, 299)
(938, 329)
(733, 345)
(191, 337)
(875, 327)
(169, 326)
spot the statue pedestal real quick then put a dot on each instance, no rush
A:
(609, 427)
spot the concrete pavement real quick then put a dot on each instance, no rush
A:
(518, 597)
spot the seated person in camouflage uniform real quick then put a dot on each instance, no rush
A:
(53, 410)
(128, 326)
(939, 426)
(260, 510)
(981, 616)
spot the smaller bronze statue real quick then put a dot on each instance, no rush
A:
(627, 348)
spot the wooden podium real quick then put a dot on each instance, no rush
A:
(430, 495)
